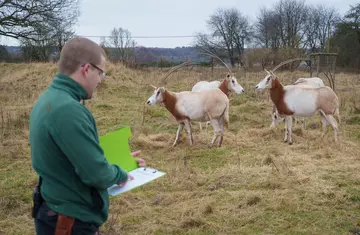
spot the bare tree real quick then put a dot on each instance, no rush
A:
(123, 45)
(284, 25)
(38, 51)
(4, 54)
(62, 29)
(49, 38)
(23, 18)
(262, 28)
(312, 30)
(212, 43)
(242, 34)
(267, 29)
(283, 29)
(230, 30)
(292, 16)
(321, 23)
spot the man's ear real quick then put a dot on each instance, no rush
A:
(84, 69)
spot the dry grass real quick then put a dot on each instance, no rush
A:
(254, 184)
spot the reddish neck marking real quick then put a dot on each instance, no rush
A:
(169, 100)
(277, 96)
(224, 87)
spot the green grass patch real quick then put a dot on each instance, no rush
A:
(210, 158)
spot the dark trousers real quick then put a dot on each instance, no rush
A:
(45, 223)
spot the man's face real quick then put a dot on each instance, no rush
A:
(93, 76)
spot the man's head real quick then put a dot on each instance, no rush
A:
(83, 60)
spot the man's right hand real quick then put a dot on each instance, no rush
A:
(130, 177)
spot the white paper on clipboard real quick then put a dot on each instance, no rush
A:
(142, 175)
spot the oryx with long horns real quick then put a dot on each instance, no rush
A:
(187, 106)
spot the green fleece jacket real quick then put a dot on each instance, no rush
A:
(65, 152)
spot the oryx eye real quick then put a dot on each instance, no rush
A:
(158, 93)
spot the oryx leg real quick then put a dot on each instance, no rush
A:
(288, 121)
(207, 125)
(334, 124)
(216, 126)
(324, 123)
(221, 122)
(180, 127)
(189, 131)
(286, 131)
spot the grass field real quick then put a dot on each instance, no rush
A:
(253, 184)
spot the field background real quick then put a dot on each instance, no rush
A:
(253, 184)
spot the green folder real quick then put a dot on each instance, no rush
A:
(117, 150)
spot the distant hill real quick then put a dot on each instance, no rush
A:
(154, 54)
(171, 54)
(13, 49)
(150, 54)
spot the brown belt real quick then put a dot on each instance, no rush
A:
(64, 225)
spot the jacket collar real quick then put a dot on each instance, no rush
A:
(65, 83)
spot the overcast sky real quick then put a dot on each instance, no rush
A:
(165, 17)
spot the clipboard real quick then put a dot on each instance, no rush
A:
(141, 176)
(117, 151)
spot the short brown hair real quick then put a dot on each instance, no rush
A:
(77, 52)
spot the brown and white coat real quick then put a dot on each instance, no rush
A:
(294, 100)
(187, 106)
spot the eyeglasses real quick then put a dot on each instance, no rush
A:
(102, 72)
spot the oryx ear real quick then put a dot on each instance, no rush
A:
(153, 86)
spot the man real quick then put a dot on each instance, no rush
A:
(65, 147)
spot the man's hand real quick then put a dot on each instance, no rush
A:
(141, 162)
(130, 177)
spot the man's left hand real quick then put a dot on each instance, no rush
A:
(141, 162)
